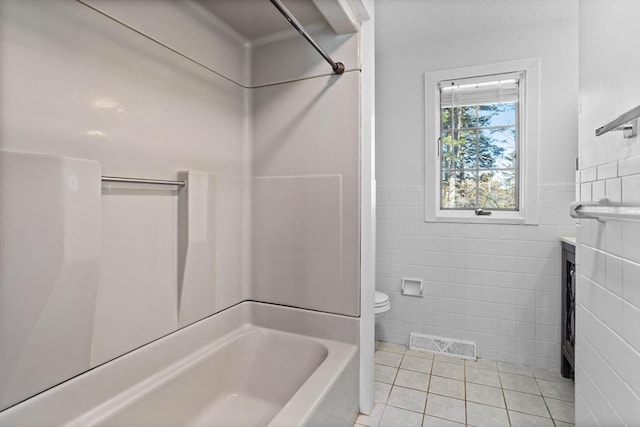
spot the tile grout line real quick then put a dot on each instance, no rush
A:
(504, 397)
(466, 420)
(545, 404)
(465, 366)
(426, 400)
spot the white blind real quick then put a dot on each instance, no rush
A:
(467, 92)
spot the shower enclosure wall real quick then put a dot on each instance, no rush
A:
(267, 138)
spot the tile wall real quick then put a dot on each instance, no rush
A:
(608, 254)
(608, 298)
(498, 285)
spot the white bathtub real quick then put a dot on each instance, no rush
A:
(251, 365)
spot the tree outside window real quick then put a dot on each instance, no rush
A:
(479, 151)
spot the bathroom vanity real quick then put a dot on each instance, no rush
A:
(568, 306)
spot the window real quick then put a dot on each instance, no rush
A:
(481, 143)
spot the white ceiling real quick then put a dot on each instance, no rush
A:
(255, 19)
(401, 23)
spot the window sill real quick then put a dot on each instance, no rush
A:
(470, 217)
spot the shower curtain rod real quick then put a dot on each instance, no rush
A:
(338, 67)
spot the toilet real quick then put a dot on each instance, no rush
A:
(382, 305)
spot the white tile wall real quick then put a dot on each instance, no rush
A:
(608, 255)
(608, 296)
(498, 285)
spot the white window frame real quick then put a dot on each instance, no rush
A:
(528, 149)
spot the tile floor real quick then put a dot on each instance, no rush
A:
(422, 390)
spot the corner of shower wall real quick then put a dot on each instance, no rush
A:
(248, 184)
(313, 168)
(306, 174)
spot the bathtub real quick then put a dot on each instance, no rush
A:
(251, 365)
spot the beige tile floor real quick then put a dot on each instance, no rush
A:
(422, 390)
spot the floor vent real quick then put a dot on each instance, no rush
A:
(441, 345)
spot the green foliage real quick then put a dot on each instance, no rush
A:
(475, 141)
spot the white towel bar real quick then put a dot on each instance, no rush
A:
(602, 210)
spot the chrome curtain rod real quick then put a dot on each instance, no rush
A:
(627, 123)
(143, 181)
(338, 67)
(604, 209)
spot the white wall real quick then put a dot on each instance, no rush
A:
(367, 210)
(75, 83)
(608, 288)
(495, 284)
(400, 89)
(308, 178)
(306, 168)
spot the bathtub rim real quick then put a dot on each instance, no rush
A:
(66, 402)
(296, 411)
(306, 400)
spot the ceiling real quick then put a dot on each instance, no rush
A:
(401, 23)
(255, 19)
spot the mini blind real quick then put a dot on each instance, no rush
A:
(467, 92)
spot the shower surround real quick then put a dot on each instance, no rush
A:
(244, 120)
